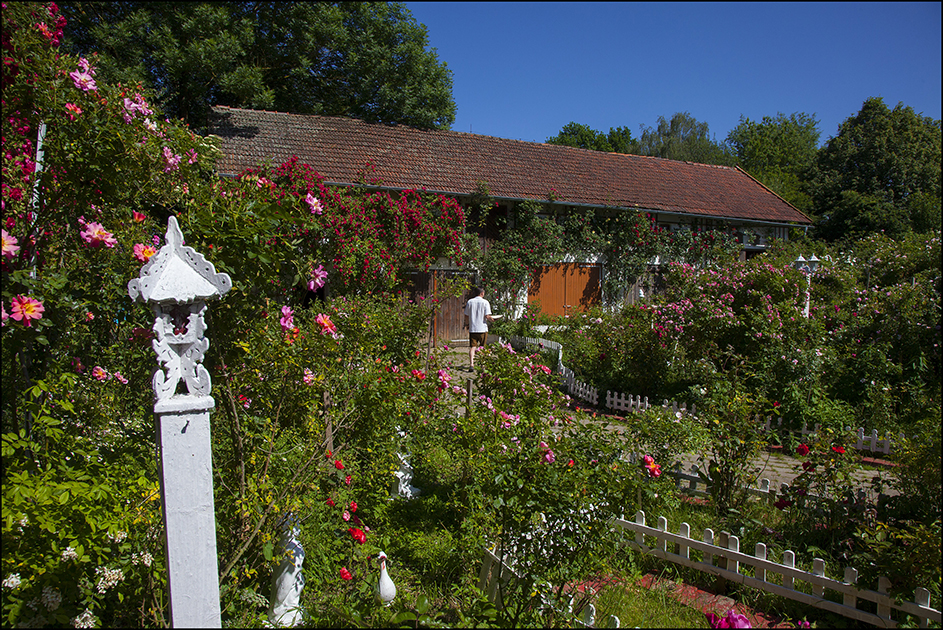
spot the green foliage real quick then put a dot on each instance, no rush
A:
(880, 173)
(684, 138)
(367, 61)
(618, 140)
(905, 552)
(525, 246)
(81, 526)
(732, 417)
(918, 477)
(779, 152)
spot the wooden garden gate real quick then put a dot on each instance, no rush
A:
(448, 325)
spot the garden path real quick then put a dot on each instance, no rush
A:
(779, 468)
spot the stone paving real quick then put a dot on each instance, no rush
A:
(775, 466)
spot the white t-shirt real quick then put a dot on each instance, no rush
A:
(476, 309)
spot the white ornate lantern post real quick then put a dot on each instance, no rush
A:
(177, 282)
(808, 267)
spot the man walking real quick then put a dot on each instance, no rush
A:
(477, 316)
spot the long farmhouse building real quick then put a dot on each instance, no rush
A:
(679, 195)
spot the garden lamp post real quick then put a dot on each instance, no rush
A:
(176, 283)
(807, 267)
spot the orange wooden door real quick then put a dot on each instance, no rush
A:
(565, 288)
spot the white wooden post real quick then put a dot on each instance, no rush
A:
(709, 539)
(176, 282)
(685, 531)
(789, 560)
(759, 551)
(818, 569)
(851, 578)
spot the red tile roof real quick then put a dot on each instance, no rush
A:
(453, 162)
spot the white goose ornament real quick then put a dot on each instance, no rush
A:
(385, 589)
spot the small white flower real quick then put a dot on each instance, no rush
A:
(69, 554)
(51, 598)
(109, 578)
(118, 538)
(85, 620)
(12, 581)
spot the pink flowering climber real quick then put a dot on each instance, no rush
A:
(653, 469)
(82, 78)
(5, 315)
(318, 278)
(327, 326)
(171, 161)
(73, 111)
(95, 235)
(25, 309)
(287, 321)
(314, 203)
(144, 252)
(99, 373)
(10, 245)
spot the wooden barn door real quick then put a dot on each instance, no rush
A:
(565, 288)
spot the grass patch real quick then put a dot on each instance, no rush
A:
(636, 606)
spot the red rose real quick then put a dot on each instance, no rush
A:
(330, 502)
(353, 506)
(338, 465)
(358, 535)
(345, 574)
(839, 449)
(802, 449)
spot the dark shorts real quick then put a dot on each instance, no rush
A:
(476, 340)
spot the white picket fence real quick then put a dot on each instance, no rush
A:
(496, 575)
(620, 402)
(871, 443)
(616, 401)
(721, 556)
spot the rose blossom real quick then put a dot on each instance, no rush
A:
(144, 252)
(10, 245)
(314, 203)
(318, 278)
(287, 320)
(26, 309)
(95, 235)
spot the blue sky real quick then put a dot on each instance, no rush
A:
(523, 70)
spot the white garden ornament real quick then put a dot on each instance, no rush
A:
(385, 589)
(288, 581)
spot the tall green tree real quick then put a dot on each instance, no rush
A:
(364, 60)
(684, 138)
(779, 152)
(880, 173)
(618, 140)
